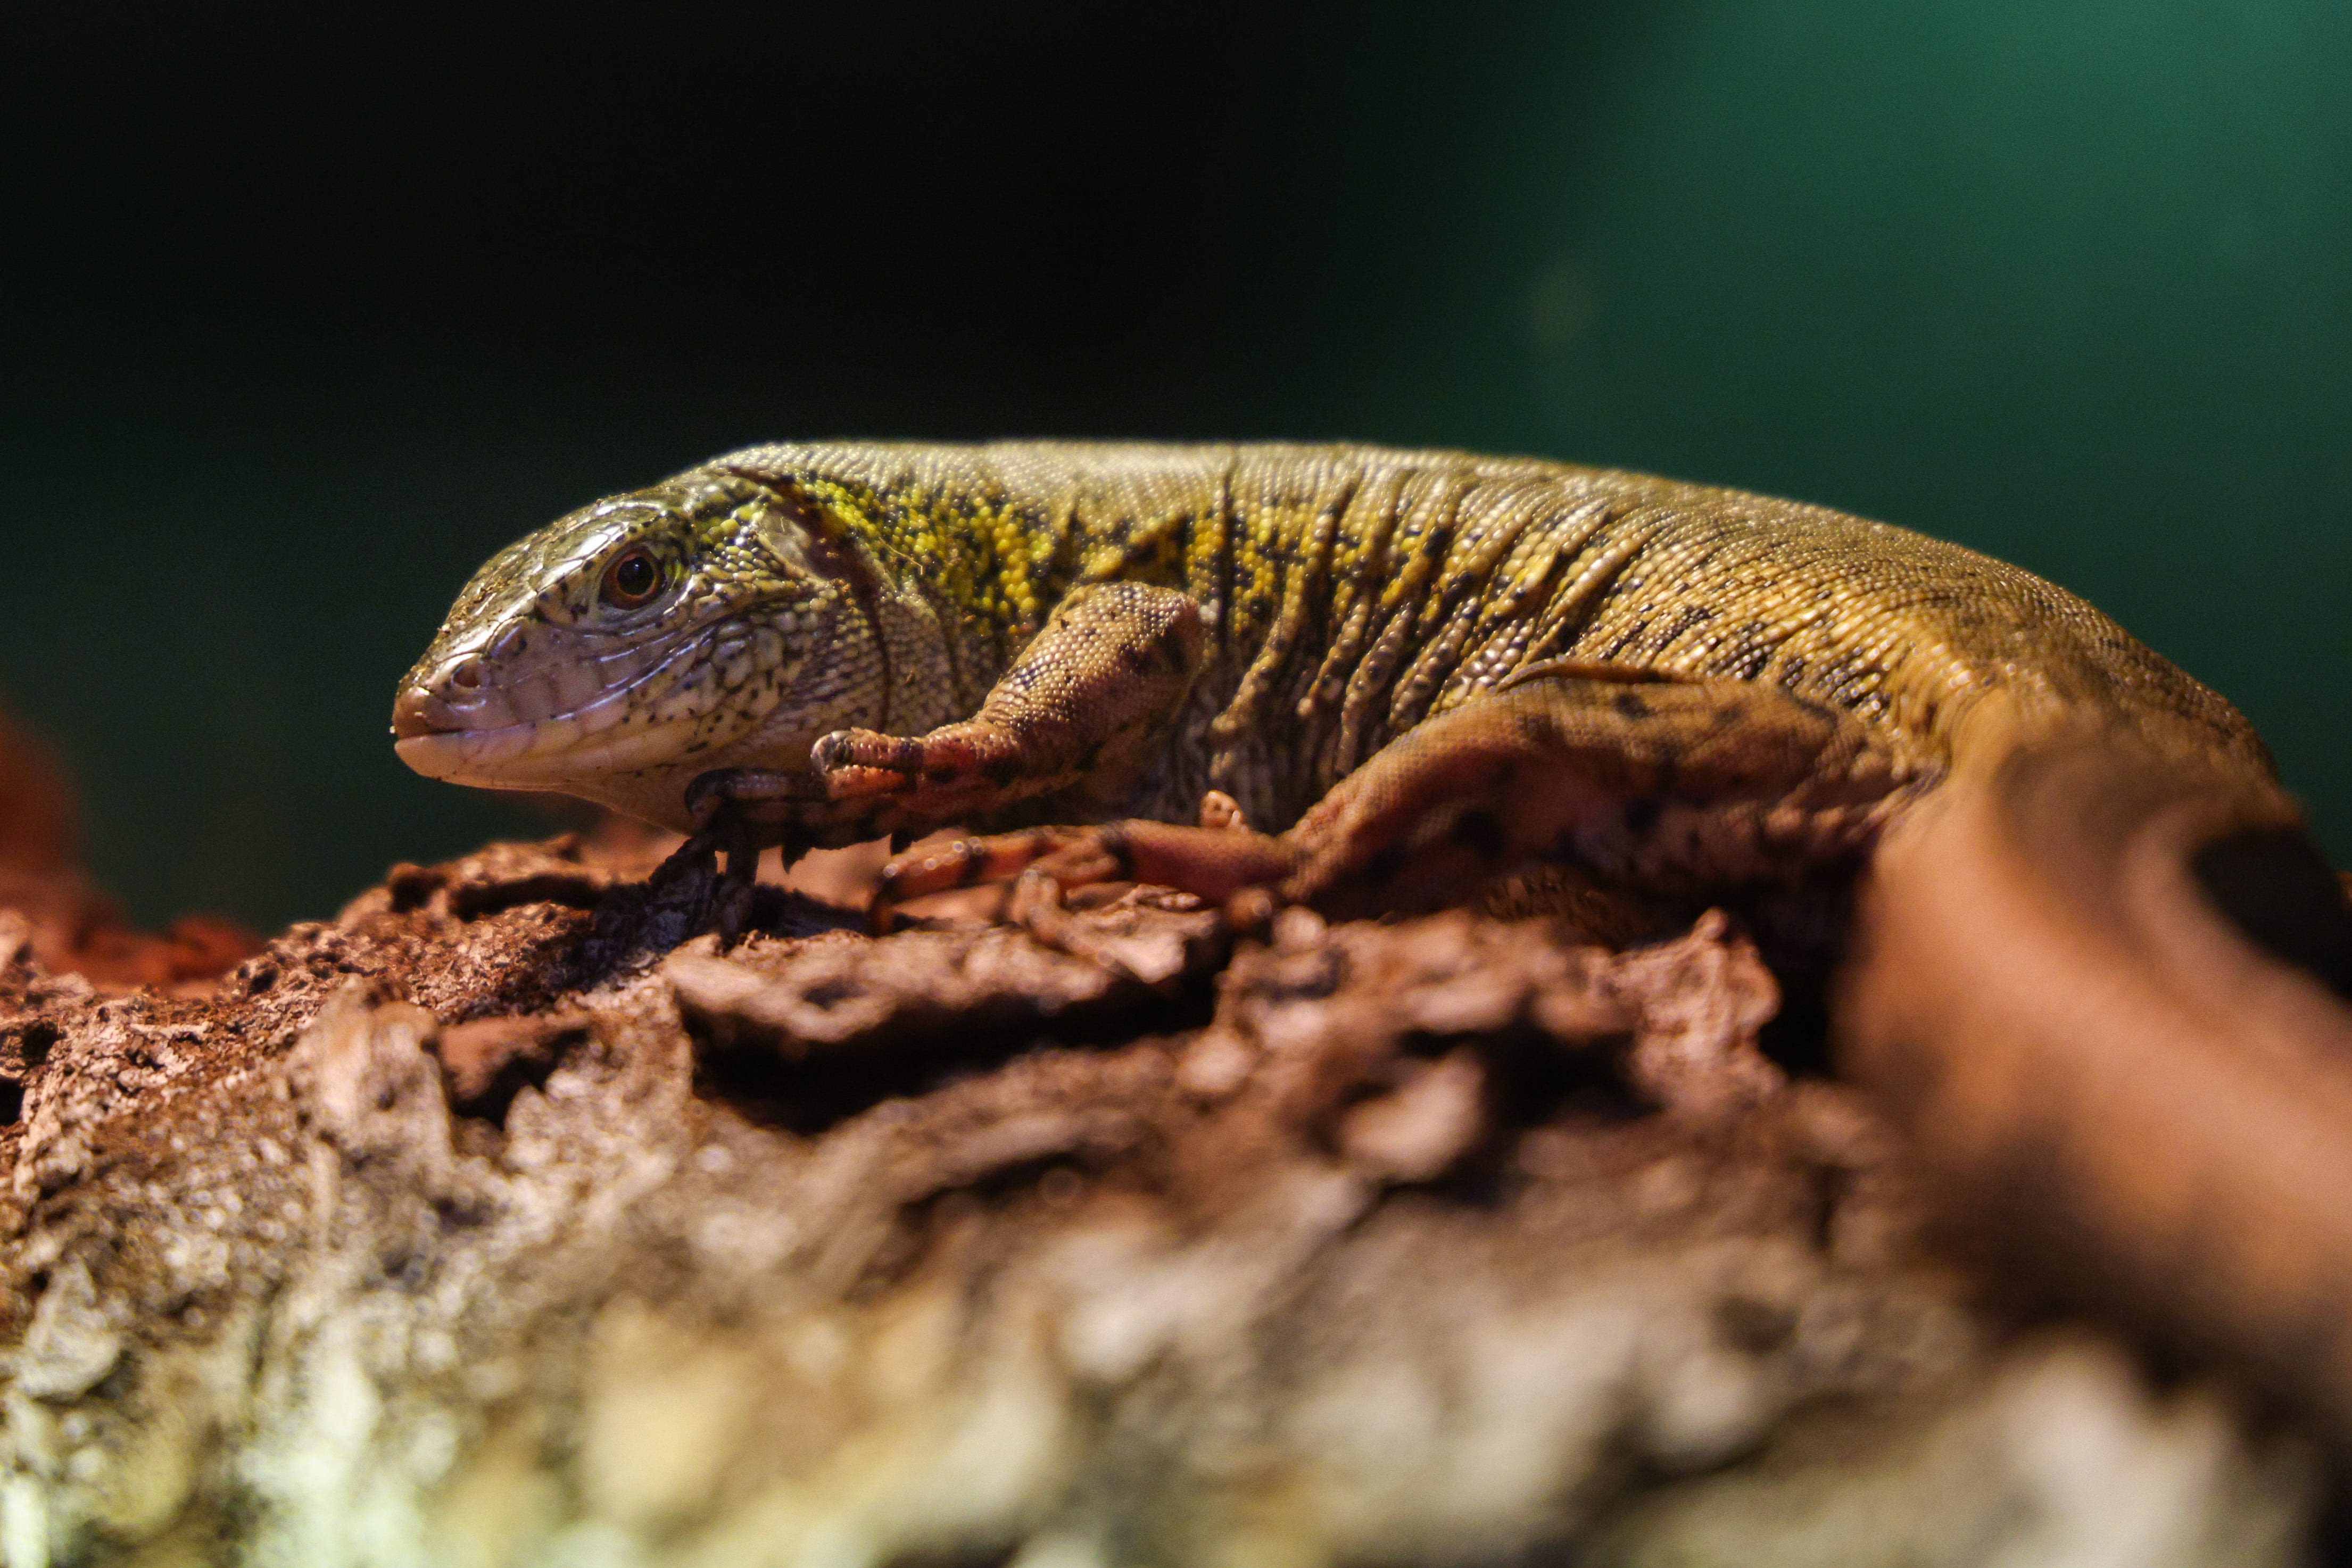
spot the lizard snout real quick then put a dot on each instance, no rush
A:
(511, 714)
(458, 696)
(452, 720)
(443, 717)
(416, 713)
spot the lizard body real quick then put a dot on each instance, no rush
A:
(1334, 598)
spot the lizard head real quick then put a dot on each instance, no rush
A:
(625, 648)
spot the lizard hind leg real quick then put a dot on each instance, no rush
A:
(1664, 785)
(1667, 785)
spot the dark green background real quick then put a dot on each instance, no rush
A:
(308, 310)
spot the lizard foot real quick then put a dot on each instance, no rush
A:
(741, 810)
(713, 898)
(953, 768)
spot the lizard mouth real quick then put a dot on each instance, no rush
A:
(540, 753)
(417, 713)
(463, 755)
(431, 737)
(468, 729)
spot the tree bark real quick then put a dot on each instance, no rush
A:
(469, 1228)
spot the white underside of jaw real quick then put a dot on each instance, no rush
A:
(539, 754)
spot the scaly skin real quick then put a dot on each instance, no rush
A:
(1340, 597)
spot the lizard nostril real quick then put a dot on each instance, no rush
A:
(467, 677)
(417, 712)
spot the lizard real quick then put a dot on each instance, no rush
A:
(1365, 679)
(839, 642)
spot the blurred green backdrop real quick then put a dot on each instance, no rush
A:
(309, 309)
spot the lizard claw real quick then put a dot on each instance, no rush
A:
(855, 763)
(728, 804)
(951, 769)
(715, 898)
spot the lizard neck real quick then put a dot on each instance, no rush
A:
(942, 568)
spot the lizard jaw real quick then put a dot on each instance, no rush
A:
(449, 755)
(546, 752)
(540, 754)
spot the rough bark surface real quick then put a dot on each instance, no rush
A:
(465, 1230)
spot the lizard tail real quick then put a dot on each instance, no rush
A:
(2106, 995)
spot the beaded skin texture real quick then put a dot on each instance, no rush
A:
(1395, 673)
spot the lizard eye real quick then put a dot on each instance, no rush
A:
(633, 577)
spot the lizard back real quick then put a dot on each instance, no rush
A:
(1349, 593)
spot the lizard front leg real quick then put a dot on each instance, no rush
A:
(1077, 713)
(1080, 710)
(1655, 782)
(720, 897)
